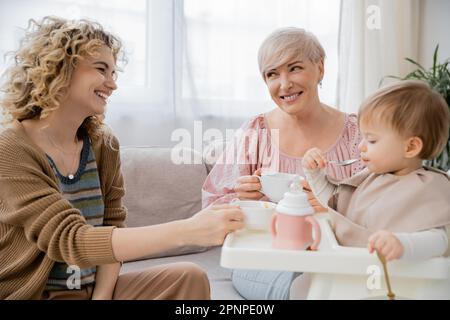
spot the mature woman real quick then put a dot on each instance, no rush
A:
(61, 188)
(291, 62)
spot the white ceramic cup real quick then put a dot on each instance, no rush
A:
(257, 214)
(274, 185)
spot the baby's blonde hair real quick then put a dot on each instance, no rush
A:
(44, 64)
(286, 44)
(411, 108)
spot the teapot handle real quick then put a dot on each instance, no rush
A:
(317, 234)
(260, 181)
(273, 222)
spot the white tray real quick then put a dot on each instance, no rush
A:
(344, 271)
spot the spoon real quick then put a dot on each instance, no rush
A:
(344, 162)
(382, 258)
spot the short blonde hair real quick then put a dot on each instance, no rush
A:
(44, 64)
(288, 43)
(411, 108)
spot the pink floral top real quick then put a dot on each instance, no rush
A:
(255, 146)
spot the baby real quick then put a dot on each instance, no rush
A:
(395, 205)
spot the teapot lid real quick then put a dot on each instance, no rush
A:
(295, 201)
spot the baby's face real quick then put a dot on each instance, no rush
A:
(382, 148)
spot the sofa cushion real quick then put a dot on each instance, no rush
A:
(157, 190)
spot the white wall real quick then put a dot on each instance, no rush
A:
(434, 29)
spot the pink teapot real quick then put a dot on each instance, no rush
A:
(292, 224)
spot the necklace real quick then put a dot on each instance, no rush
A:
(70, 175)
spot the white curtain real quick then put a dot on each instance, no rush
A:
(374, 38)
(220, 75)
(144, 104)
(187, 59)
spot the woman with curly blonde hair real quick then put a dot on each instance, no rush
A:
(61, 214)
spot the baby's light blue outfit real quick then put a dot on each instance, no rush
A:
(263, 285)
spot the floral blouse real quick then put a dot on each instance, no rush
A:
(254, 146)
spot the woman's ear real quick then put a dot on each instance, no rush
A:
(413, 147)
(321, 69)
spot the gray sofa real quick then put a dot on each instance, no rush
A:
(158, 191)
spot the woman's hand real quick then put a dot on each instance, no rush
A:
(387, 244)
(314, 159)
(210, 226)
(312, 199)
(247, 187)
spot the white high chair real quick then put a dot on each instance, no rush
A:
(339, 272)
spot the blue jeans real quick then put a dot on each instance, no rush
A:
(263, 285)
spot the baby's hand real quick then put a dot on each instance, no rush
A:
(314, 159)
(387, 244)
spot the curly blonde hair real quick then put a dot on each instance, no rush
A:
(44, 64)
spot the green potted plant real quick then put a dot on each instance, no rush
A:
(438, 77)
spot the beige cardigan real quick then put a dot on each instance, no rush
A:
(38, 226)
(369, 202)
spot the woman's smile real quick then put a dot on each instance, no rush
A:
(291, 98)
(102, 95)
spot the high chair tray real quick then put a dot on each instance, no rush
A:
(338, 272)
(248, 249)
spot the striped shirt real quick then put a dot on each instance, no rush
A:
(84, 193)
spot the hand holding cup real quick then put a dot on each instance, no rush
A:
(248, 187)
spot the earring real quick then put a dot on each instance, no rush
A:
(320, 84)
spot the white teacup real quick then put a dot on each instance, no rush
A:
(274, 185)
(257, 214)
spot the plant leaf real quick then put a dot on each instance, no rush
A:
(416, 63)
(388, 77)
(435, 59)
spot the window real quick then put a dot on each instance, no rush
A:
(188, 59)
(138, 25)
(222, 38)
